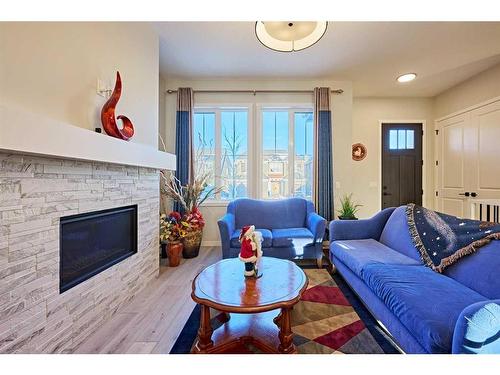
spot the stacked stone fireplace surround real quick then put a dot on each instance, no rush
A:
(34, 193)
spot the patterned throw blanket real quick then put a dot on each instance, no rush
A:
(443, 239)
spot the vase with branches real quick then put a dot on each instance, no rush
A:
(190, 197)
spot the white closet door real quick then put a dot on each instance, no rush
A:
(456, 148)
(485, 170)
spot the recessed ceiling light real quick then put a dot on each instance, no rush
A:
(407, 77)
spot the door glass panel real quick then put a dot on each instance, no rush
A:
(410, 139)
(401, 139)
(393, 139)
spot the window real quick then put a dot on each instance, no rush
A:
(269, 156)
(401, 139)
(221, 147)
(304, 139)
(234, 154)
(204, 144)
(287, 153)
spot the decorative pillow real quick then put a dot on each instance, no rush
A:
(443, 239)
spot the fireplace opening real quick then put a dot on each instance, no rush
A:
(94, 241)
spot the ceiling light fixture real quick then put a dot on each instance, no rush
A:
(289, 36)
(407, 77)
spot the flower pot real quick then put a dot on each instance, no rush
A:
(174, 250)
(348, 218)
(192, 243)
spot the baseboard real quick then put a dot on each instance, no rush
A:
(210, 243)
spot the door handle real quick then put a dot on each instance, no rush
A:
(386, 193)
(473, 195)
(465, 194)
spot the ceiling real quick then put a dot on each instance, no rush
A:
(370, 54)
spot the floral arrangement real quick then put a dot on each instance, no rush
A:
(172, 227)
(193, 220)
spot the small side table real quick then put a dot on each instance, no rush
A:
(249, 305)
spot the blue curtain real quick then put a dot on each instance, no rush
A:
(323, 160)
(183, 138)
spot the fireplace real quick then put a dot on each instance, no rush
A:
(94, 241)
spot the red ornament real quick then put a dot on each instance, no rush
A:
(108, 115)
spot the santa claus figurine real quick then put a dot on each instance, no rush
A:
(251, 250)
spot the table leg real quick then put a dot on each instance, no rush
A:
(205, 330)
(225, 317)
(277, 320)
(319, 262)
(286, 335)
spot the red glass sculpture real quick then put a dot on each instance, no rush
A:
(108, 115)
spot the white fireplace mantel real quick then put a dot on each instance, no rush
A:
(25, 132)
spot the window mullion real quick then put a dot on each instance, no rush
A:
(291, 152)
(251, 178)
(218, 150)
(258, 158)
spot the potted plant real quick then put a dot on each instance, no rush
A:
(190, 197)
(172, 231)
(348, 208)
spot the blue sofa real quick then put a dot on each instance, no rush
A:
(290, 228)
(424, 311)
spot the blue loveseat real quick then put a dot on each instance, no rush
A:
(424, 311)
(290, 227)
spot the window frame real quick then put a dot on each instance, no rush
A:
(217, 109)
(254, 142)
(292, 109)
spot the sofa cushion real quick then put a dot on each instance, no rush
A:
(271, 214)
(267, 238)
(285, 237)
(426, 302)
(396, 234)
(356, 254)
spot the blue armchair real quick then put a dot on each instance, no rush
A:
(291, 229)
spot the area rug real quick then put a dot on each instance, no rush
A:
(329, 319)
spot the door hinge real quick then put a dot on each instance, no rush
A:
(437, 132)
(422, 191)
(437, 193)
(422, 132)
(422, 162)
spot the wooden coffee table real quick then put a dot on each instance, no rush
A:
(249, 305)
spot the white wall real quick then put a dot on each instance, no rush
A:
(341, 118)
(52, 69)
(367, 114)
(477, 89)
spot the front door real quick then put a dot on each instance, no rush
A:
(401, 164)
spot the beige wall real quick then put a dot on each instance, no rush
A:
(341, 117)
(52, 69)
(477, 89)
(367, 114)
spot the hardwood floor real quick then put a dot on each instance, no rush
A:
(153, 320)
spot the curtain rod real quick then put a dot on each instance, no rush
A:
(254, 92)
